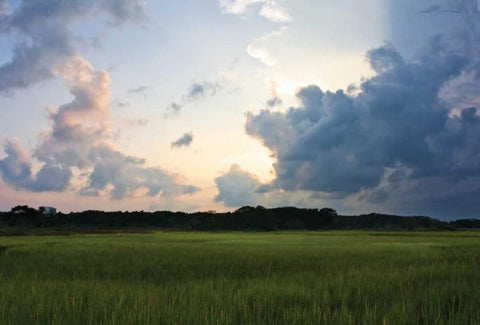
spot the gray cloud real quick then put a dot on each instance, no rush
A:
(275, 100)
(4, 7)
(431, 9)
(123, 10)
(201, 89)
(126, 174)
(452, 6)
(16, 167)
(121, 104)
(173, 109)
(141, 90)
(237, 188)
(184, 141)
(400, 142)
(41, 30)
(137, 122)
(5, 11)
(196, 91)
(16, 170)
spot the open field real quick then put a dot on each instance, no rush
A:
(241, 278)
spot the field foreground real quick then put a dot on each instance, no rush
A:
(241, 278)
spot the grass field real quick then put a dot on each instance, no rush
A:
(241, 278)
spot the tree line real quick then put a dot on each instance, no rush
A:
(244, 219)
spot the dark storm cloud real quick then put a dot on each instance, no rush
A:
(41, 30)
(399, 142)
(196, 91)
(184, 141)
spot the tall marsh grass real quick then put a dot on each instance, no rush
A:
(241, 278)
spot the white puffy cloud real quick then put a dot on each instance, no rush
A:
(236, 7)
(258, 48)
(270, 9)
(274, 12)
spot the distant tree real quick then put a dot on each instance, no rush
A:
(326, 218)
(23, 214)
(328, 211)
(245, 209)
(24, 210)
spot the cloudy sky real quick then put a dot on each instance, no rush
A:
(198, 105)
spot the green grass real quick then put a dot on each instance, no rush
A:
(241, 278)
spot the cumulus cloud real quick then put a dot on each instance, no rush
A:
(236, 6)
(196, 91)
(42, 32)
(237, 187)
(124, 175)
(404, 140)
(183, 141)
(258, 48)
(80, 138)
(270, 9)
(16, 170)
(274, 12)
(16, 167)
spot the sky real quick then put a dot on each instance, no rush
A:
(194, 105)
